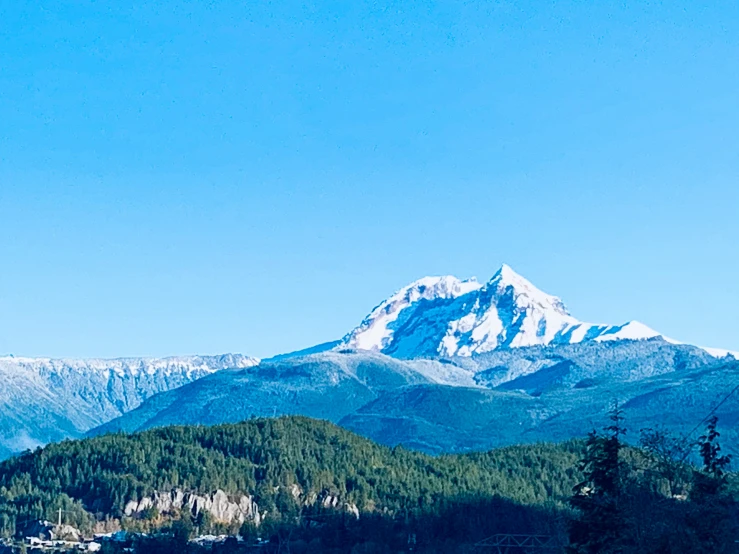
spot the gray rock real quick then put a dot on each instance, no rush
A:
(219, 505)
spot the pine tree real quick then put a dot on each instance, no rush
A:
(599, 527)
(714, 464)
(711, 521)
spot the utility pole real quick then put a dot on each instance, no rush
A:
(59, 524)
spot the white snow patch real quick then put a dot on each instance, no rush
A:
(633, 330)
(508, 311)
(375, 331)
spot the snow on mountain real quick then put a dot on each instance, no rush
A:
(376, 331)
(507, 396)
(445, 316)
(721, 353)
(42, 400)
(185, 365)
(327, 385)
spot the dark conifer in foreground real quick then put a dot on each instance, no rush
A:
(627, 500)
(599, 527)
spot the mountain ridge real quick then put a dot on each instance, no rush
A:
(46, 399)
(504, 336)
(508, 396)
(448, 316)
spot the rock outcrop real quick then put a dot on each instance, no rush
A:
(219, 505)
(228, 508)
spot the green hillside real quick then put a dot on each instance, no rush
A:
(308, 486)
(93, 479)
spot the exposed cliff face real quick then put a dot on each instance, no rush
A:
(219, 505)
(228, 508)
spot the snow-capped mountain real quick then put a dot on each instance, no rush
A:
(191, 367)
(443, 337)
(507, 396)
(446, 316)
(42, 399)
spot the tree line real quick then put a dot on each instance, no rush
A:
(592, 496)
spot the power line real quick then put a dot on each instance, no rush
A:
(705, 419)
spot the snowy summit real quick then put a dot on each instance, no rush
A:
(447, 316)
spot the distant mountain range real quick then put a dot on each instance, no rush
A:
(442, 365)
(457, 404)
(44, 400)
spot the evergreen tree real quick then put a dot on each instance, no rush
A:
(711, 519)
(667, 454)
(310, 477)
(712, 479)
(599, 527)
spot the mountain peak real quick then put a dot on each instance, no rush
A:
(444, 286)
(506, 272)
(507, 276)
(448, 316)
(525, 291)
(377, 329)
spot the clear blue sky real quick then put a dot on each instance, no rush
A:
(208, 177)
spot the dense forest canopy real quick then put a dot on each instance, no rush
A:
(287, 465)
(258, 457)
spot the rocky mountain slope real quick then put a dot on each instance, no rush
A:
(43, 400)
(446, 316)
(328, 385)
(455, 404)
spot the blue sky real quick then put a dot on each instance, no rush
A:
(208, 177)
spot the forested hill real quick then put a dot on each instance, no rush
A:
(312, 487)
(282, 465)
